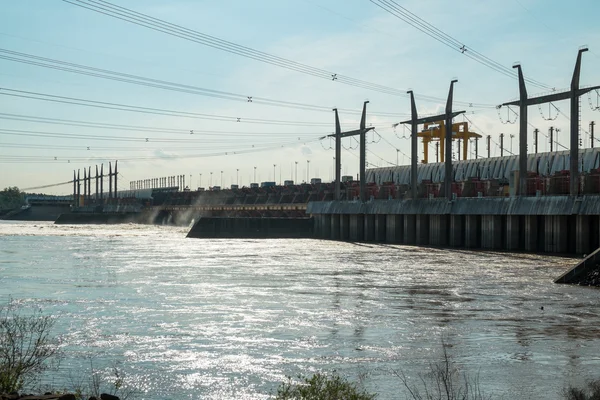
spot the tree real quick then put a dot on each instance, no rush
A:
(11, 197)
(26, 347)
(322, 387)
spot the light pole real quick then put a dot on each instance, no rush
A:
(254, 174)
(200, 184)
(296, 177)
(190, 181)
(511, 142)
(221, 179)
(274, 180)
(210, 183)
(397, 156)
(237, 173)
(307, 171)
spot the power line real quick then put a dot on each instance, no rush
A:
(12, 159)
(417, 22)
(165, 85)
(77, 136)
(148, 110)
(156, 24)
(137, 128)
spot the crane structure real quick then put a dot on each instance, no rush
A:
(436, 132)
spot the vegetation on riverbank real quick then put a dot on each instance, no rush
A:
(10, 198)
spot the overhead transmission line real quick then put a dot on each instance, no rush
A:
(78, 136)
(137, 128)
(65, 66)
(156, 24)
(12, 159)
(148, 110)
(425, 27)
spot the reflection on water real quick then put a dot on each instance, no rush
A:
(218, 319)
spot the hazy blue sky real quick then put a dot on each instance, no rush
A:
(354, 38)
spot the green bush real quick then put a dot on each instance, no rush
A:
(592, 392)
(26, 347)
(321, 387)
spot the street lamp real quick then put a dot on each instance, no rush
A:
(307, 171)
(237, 172)
(511, 142)
(221, 179)
(210, 183)
(397, 154)
(200, 184)
(296, 177)
(274, 180)
(254, 174)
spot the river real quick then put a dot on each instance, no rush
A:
(230, 319)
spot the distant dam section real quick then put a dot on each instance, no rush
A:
(253, 228)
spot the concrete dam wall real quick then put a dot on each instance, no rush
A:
(554, 224)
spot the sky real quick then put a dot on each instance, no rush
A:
(43, 142)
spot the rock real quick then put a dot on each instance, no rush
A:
(106, 396)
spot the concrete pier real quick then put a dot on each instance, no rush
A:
(370, 227)
(555, 234)
(335, 226)
(583, 243)
(344, 227)
(513, 233)
(410, 229)
(457, 231)
(394, 228)
(357, 222)
(422, 231)
(530, 233)
(438, 230)
(380, 228)
(472, 231)
(491, 232)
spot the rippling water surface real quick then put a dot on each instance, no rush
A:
(229, 319)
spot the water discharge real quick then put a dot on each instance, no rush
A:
(218, 319)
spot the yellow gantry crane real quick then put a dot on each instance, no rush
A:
(436, 132)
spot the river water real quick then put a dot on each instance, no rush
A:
(229, 319)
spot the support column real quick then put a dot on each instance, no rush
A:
(574, 164)
(317, 227)
(555, 232)
(582, 245)
(326, 226)
(344, 227)
(410, 229)
(414, 156)
(369, 227)
(380, 227)
(472, 232)
(491, 232)
(513, 233)
(522, 185)
(438, 230)
(531, 233)
(363, 155)
(448, 161)
(457, 229)
(394, 228)
(422, 231)
(357, 227)
(338, 155)
(335, 227)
